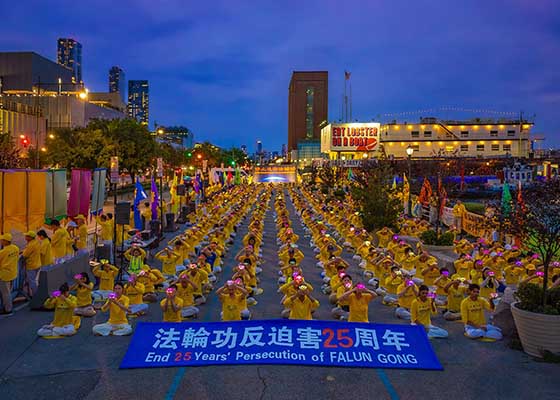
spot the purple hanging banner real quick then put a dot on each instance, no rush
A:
(80, 192)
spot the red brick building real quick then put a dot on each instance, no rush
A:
(307, 106)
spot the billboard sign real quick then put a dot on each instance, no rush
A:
(350, 137)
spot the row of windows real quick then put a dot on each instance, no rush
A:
(465, 147)
(464, 134)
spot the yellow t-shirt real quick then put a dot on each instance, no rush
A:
(455, 297)
(81, 243)
(32, 254)
(406, 299)
(441, 284)
(63, 310)
(512, 274)
(420, 312)
(359, 307)
(474, 310)
(9, 257)
(392, 284)
(431, 276)
(231, 306)
(301, 309)
(116, 315)
(169, 262)
(186, 294)
(106, 278)
(134, 293)
(170, 315)
(83, 295)
(46, 252)
(58, 242)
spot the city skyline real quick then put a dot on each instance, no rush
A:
(230, 85)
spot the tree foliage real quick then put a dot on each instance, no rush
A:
(536, 222)
(372, 191)
(9, 153)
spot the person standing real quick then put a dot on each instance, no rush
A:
(58, 240)
(459, 211)
(32, 256)
(9, 256)
(82, 233)
(46, 248)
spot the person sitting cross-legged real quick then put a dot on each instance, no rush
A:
(421, 310)
(472, 315)
(64, 304)
(117, 304)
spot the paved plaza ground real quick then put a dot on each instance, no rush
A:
(86, 367)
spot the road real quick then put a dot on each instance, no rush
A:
(86, 367)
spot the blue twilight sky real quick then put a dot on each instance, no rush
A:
(222, 68)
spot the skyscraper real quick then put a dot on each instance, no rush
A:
(138, 101)
(69, 54)
(117, 82)
(307, 106)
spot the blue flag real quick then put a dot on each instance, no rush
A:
(140, 195)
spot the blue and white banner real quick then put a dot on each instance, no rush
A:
(321, 343)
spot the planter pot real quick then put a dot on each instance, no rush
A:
(431, 248)
(537, 332)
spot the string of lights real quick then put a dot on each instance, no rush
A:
(449, 108)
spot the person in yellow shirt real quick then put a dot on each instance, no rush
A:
(459, 211)
(358, 302)
(169, 261)
(46, 248)
(472, 315)
(117, 304)
(455, 290)
(171, 305)
(106, 228)
(391, 284)
(421, 310)
(146, 215)
(106, 274)
(232, 296)
(9, 257)
(82, 233)
(430, 274)
(406, 292)
(64, 304)
(32, 256)
(59, 238)
(83, 288)
(384, 236)
(185, 290)
(134, 290)
(301, 304)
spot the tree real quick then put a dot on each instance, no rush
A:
(372, 191)
(9, 153)
(536, 222)
(327, 176)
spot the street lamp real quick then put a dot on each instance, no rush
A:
(409, 153)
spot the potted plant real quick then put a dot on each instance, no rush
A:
(535, 220)
(431, 241)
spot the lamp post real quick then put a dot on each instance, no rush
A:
(409, 152)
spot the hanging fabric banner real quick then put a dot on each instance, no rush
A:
(22, 199)
(98, 197)
(80, 192)
(56, 197)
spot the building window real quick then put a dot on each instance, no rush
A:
(464, 134)
(495, 147)
(428, 134)
(464, 147)
(309, 120)
(493, 133)
(415, 134)
(415, 147)
(507, 147)
(479, 147)
(511, 133)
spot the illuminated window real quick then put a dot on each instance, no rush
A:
(415, 147)
(495, 147)
(493, 133)
(464, 147)
(428, 134)
(507, 147)
(415, 134)
(511, 133)
(464, 134)
(310, 92)
(479, 147)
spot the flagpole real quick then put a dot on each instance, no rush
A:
(350, 99)
(345, 100)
